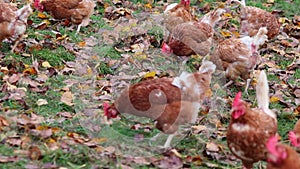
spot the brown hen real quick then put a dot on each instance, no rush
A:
(238, 56)
(176, 14)
(250, 128)
(78, 11)
(169, 101)
(193, 37)
(13, 22)
(281, 156)
(294, 136)
(253, 18)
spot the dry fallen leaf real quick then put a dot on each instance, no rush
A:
(67, 98)
(46, 64)
(212, 147)
(3, 121)
(150, 75)
(41, 102)
(274, 99)
(42, 15)
(35, 153)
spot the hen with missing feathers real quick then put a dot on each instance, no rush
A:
(78, 11)
(250, 128)
(169, 101)
(13, 22)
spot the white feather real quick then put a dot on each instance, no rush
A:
(262, 94)
(207, 66)
(169, 7)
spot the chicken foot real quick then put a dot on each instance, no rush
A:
(168, 141)
(16, 43)
(78, 28)
(247, 86)
(228, 84)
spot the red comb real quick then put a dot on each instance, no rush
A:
(237, 99)
(166, 49)
(293, 138)
(271, 144)
(105, 106)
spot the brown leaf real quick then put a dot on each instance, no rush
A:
(14, 79)
(42, 131)
(297, 93)
(65, 114)
(171, 161)
(212, 147)
(17, 94)
(14, 141)
(3, 121)
(41, 26)
(197, 160)
(30, 71)
(35, 153)
(6, 159)
(67, 98)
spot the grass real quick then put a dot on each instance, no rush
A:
(82, 156)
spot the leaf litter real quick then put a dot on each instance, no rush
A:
(135, 40)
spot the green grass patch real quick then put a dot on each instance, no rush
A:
(55, 57)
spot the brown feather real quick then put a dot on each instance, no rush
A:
(164, 102)
(250, 145)
(292, 160)
(78, 11)
(253, 18)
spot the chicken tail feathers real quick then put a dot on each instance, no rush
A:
(261, 37)
(262, 94)
(242, 2)
(24, 12)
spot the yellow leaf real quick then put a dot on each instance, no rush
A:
(81, 44)
(236, 33)
(282, 20)
(150, 74)
(225, 33)
(89, 71)
(274, 99)
(51, 141)
(30, 71)
(148, 6)
(227, 15)
(46, 21)
(42, 128)
(46, 64)
(62, 37)
(41, 15)
(208, 93)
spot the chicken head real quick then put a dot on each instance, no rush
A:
(294, 139)
(238, 106)
(276, 153)
(109, 111)
(37, 5)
